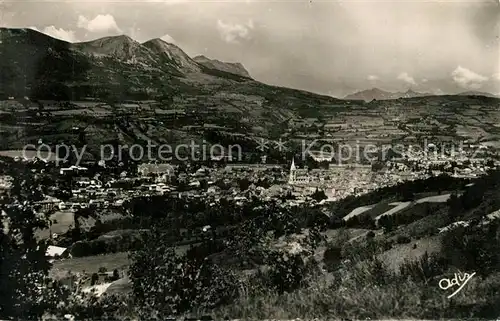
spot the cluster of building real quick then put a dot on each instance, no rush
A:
(242, 182)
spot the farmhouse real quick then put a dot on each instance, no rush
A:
(54, 252)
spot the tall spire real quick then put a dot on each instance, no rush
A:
(291, 179)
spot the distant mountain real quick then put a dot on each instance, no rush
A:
(478, 93)
(410, 94)
(370, 94)
(230, 67)
(378, 94)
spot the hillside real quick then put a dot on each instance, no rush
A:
(115, 89)
(269, 261)
(98, 75)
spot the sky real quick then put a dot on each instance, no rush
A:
(331, 47)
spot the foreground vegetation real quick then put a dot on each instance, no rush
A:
(274, 263)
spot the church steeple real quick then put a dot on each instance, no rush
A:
(293, 174)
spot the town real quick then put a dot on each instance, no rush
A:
(108, 185)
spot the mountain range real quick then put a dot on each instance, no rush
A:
(175, 97)
(101, 75)
(379, 94)
(155, 50)
(34, 64)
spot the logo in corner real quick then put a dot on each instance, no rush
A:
(458, 280)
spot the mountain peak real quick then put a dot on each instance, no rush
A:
(172, 53)
(120, 39)
(378, 94)
(230, 67)
(158, 40)
(122, 47)
(369, 95)
(201, 57)
(160, 44)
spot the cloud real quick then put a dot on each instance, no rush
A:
(168, 38)
(59, 33)
(497, 75)
(467, 79)
(101, 23)
(407, 78)
(372, 78)
(233, 32)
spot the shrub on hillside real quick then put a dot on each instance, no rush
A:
(88, 307)
(424, 268)
(402, 239)
(166, 283)
(332, 257)
(315, 238)
(372, 272)
(473, 248)
(287, 271)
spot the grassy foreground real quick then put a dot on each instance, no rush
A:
(368, 292)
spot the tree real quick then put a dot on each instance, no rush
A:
(116, 275)
(244, 184)
(94, 279)
(318, 195)
(473, 248)
(454, 207)
(287, 271)
(387, 223)
(332, 257)
(26, 292)
(166, 283)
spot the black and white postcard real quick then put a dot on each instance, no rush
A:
(249, 160)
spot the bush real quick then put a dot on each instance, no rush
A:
(287, 271)
(402, 239)
(473, 249)
(116, 275)
(166, 283)
(424, 268)
(94, 279)
(372, 272)
(332, 257)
